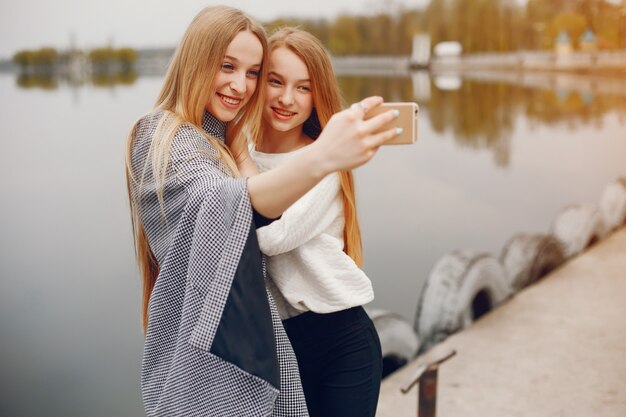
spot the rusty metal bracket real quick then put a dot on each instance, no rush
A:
(426, 376)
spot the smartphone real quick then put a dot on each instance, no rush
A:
(407, 120)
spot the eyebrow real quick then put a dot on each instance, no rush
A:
(232, 58)
(274, 73)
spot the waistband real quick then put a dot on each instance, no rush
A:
(311, 322)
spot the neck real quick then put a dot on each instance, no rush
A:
(276, 141)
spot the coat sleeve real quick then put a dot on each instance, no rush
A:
(209, 296)
(306, 218)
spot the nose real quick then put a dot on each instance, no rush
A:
(286, 98)
(238, 83)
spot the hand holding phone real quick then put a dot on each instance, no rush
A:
(407, 120)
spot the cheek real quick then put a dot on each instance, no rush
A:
(307, 103)
(271, 94)
(219, 81)
(251, 86)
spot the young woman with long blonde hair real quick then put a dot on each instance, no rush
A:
(315, 247)
(214, 343)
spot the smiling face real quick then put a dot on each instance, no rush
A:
(289, 100)
(237, 78)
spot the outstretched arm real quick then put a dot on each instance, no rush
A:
(346, 142)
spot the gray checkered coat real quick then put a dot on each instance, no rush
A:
(215, 345)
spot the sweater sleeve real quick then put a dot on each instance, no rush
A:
(305, 219)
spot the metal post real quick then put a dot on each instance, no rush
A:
(427, 402)
(426, 375)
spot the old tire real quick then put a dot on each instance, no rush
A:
(577, 227)
(462, 286)
(527, 258)
(613, 205)
(398, 340)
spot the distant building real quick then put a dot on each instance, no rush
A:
(420, 55)
(447, 54)
(448, 49)
(588, 41)
(563, 45)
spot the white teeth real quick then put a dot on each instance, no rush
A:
(230, 100)
(284, 113)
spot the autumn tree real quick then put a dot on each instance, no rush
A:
(572, 23)
(344, 36)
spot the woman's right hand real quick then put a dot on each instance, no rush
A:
(348, 140)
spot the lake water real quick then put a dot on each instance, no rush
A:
(493, 159)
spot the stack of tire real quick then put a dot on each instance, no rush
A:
(399, 342)
(465, 285)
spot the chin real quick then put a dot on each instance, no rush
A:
(221, 113)
(227, 117)
(281, 127)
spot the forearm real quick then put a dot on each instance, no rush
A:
(273, 191)
(280, 237)
(305, 219)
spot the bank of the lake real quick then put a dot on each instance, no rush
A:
(557, 348)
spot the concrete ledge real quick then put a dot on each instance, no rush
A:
(557, 348)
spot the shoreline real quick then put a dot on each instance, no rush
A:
(560, 342)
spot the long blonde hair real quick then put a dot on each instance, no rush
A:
(326, 102)
(187, 88)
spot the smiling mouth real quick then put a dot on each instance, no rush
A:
(231, 101)
(283, 113)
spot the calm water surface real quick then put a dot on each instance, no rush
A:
(492, 160)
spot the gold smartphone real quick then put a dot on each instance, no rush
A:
(407, 120)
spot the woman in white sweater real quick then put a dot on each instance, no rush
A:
(314, 250)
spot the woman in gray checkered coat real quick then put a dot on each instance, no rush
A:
(214, 342)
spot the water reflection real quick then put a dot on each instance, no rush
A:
(107, 79)
(52, 80)
(478, 110)
(572, 108)
(392, 88)
(43, 81)
(481, 114)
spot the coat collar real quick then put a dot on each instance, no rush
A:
(213, 126)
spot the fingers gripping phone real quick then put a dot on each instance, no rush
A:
(407, 120)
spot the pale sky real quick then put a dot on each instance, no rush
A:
(32, 24)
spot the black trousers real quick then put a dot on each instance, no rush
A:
(340, 362)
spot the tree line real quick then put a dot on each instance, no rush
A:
(479, 25)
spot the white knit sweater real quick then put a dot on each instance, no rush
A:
(305, 248)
